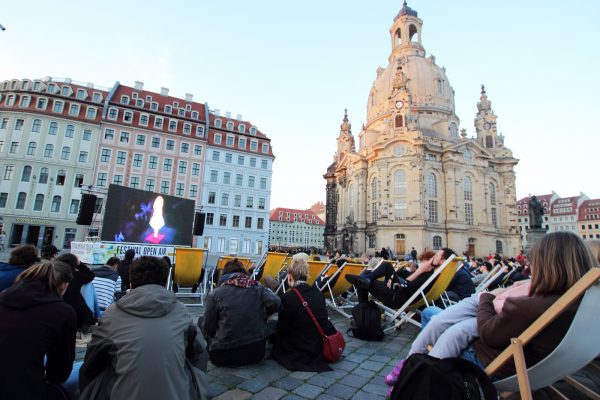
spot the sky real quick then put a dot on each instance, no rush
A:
(292, 67)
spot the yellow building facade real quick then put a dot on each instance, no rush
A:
(415, 180)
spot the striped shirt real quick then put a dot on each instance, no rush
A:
(106, 282)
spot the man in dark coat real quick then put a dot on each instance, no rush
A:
(123, 269)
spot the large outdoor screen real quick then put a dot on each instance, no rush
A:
(138, 216)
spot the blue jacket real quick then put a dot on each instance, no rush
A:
(8, 273)
(462, 284)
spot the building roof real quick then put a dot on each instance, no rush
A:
(564, 206)
(589, 210)
(302, 216)
(523, 204)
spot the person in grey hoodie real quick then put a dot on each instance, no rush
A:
(145, 346)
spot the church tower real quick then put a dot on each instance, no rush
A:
(485, 123)
(345, 141)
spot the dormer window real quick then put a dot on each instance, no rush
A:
(139, 103)
(253, 131)
(65, 91)
(124, 100)
(218, 123)
(229, 126)
(96, 97)
(241, 128)
(168, 109)
(195, 115)
(81, 94)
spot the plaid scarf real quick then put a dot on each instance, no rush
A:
(239, 279)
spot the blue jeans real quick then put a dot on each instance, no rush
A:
(470, 355)
(427, 314)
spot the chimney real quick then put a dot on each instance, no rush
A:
(238, 117)
(189, 97)
(228, 114)
(164, 91)
(138, 85)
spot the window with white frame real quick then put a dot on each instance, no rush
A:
(109, 134)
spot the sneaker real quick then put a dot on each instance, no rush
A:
(358, 281)
(391, 378)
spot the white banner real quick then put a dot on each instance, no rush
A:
(100, 252)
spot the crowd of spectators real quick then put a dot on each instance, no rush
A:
(135, 323)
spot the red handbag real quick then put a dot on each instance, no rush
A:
(333, 345)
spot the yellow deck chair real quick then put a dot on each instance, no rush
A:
(340, 285)
(189, 264)
(314, 270)
(444, 274)
(274, 263)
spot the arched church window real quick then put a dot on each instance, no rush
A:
(399, 122)
(398, 37)
(439, 86)
(489, 142)
(400, 182)
(467, 189)
(453, 130)
(492, 194)
(412, 32)
(432, 185)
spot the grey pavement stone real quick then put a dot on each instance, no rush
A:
(376, 387)
(372, 365)
(346, 365)
(356, 357)
(269, 393)
(341, 391)
(228, 379)
(367, 373)
(292, 397)
(380, 358)
(309, 391)
(322, 381)
(367, 396)
(254, 385)
(324, 396)
(246, 373)
(355, 381)
(288, 383)
(215, 389)
(337, 374)
(234, 394)
(302, 375)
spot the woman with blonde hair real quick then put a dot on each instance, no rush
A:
(36, 322)
(298, 345)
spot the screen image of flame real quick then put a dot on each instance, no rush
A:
(157, 221)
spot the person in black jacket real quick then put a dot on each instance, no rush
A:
(234, 322)
(123, 269)
(298, 345)
(81, 276)
(394, 291)
(36, 322)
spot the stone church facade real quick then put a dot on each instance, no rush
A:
(415, 180)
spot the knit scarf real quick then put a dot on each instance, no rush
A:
(238, 279)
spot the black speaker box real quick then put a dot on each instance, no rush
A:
(199, 220)
(86, 209)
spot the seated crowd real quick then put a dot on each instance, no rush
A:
(144, 344)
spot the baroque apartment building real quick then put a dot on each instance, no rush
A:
(59, 138)
(237, 187)
(49, 134)
(291, 228)
(414, 180)
(589, 219)
(150, 141)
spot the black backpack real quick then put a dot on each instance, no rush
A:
(366, 322)
(424, 377)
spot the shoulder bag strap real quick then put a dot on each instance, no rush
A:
(305, 304)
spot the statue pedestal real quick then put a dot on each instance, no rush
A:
(533, 235)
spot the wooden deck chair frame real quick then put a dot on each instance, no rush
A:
(506, 279)
(185, 275)
(410, 307)
(341, 285)
(488, 277)
(578, 347)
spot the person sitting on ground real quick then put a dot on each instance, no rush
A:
(235, 318)
(480, 327)
(107, 283)
(394, 291)
(20, 259)
(123, 269)
(298, 345)
(36, 323)
(146, 346)
(82, 275)
(49, 252)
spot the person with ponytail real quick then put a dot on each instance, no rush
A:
(36, 323)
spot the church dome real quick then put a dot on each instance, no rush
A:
(426, 83)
